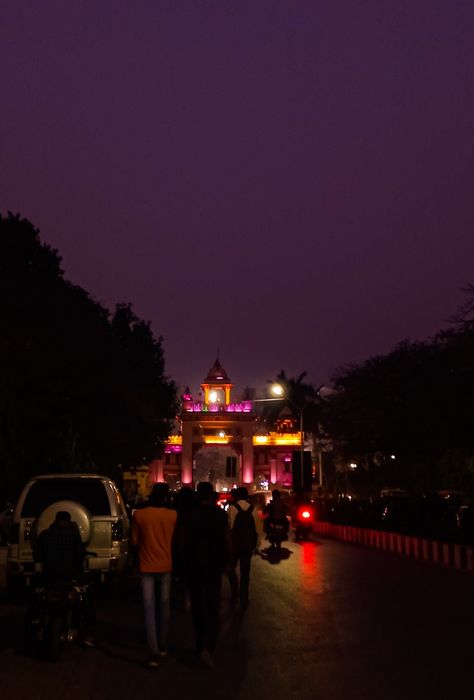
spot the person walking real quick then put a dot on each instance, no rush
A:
(206, 550)
(230, 568)
(185, 501)
(152, 533)
(246, 527)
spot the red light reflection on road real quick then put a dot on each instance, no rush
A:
(311, 574)
(309, 557)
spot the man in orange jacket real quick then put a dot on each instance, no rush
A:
(152, 533)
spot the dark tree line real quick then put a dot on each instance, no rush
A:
(415, 403)
(406, 419)
(80, 388)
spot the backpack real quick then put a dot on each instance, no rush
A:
(244, 532)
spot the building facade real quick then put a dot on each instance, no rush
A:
(222, 440)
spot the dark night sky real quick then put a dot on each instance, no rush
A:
(290, 180)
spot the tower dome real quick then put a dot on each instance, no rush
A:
(217, 374)
(217, 385)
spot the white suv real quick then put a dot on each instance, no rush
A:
(95, 505)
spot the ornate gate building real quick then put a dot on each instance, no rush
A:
(222, 440)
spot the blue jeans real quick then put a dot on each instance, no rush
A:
(156, 589)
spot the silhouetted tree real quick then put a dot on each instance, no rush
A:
(298, 395)
(79, 389)
(416, 402)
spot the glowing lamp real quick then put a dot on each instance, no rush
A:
(277, 390)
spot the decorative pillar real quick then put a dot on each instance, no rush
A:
(187, 455)
(156, 471)
(273, 470)
(247, 458)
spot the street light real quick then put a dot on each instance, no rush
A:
(279, 393)
(277, 390)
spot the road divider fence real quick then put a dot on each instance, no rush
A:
(448, 554)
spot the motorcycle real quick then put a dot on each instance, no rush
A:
(303, 522)
(276, 530)
(58, 616)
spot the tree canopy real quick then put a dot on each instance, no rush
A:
(298, 395)
(81, 388)
(415, 403)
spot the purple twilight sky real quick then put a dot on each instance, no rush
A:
(290, 180)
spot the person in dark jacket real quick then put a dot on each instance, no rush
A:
(242, 552)
(184, 502)
(206, 551)
(61, 552)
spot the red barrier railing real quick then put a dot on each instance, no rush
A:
(456, 556)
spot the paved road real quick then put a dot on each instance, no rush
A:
(330, 621)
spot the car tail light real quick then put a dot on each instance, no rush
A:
(14, 533)
(117, 531)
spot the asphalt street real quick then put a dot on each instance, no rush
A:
(327, 620)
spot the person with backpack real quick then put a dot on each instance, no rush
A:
(245, 526)
(205, 549)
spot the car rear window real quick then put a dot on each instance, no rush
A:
(90, 493)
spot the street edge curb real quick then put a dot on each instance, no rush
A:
(447, 554)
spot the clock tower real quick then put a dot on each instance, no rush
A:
(217, 386)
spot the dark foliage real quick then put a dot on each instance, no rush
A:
(417, 402)
(298, 396)
(79, 389)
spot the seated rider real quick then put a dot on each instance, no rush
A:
(276, 509)
(61, 552)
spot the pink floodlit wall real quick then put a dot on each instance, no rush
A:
(200, 407)
(247, 473)
(187, 474)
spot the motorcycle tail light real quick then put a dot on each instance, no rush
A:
(306, 514)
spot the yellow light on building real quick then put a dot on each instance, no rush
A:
(175, 440)
(278, 439)
(288, 440)
(215, 440)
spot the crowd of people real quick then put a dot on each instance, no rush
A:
(195, 543)
(182, 541)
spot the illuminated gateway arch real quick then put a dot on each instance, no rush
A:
(222, 440)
